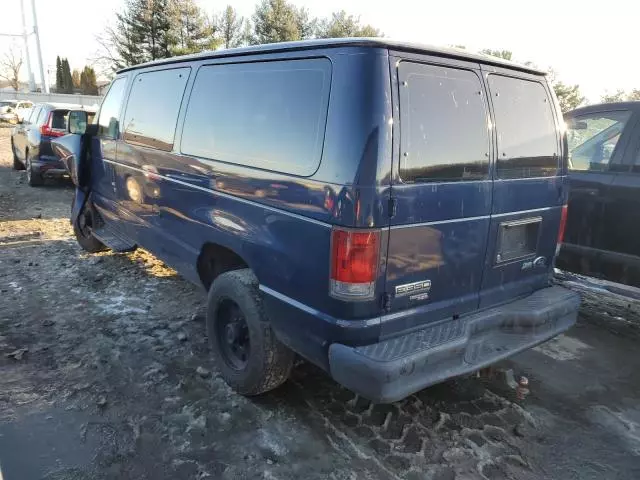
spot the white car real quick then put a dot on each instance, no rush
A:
(15, 110)
(23, 109)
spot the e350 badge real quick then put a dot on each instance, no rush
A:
(416, 290)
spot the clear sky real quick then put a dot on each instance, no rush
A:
(585, 43)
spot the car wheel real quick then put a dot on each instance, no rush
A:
(33, 179)
(250, 357)
(83, 230)
(17, 164)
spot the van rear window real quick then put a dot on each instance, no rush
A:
(527, 136)
(268, 115)
(444, 124)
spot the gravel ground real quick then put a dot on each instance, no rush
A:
(105, 373)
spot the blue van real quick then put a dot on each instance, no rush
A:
(388, 211)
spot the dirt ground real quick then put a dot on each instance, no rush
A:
(105, 374)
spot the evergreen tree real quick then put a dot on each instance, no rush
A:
(88, 82)
(192, 31)
(229, 27)
(569, 96)
(144, 32)
(59, 81)
(75, 75)
(343, 25)
(67, 79)
(247, 37)
(276, 21)
(306, 26)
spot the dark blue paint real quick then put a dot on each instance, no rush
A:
(280, 224)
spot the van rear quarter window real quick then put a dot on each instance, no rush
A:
(268, 115)
(527, 136)
(153, 106)
(443, 123)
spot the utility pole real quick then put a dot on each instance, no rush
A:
(32, 83)
(45, 87)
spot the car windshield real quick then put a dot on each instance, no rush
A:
(7, 104)
(592, 138)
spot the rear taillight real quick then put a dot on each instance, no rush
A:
(563, 225)
(354, 263)
(46, 129)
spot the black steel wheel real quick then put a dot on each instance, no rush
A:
(83, 230)
(250, 357)
(232, 335)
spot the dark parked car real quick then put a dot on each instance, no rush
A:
(31, 141)
(388, 211)
(603, 226)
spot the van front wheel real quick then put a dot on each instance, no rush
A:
(250, 357)
(83, 230)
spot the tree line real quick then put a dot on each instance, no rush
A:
(153, 29)
(77, 82)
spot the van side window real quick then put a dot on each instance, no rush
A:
(269, 115)
(153, 106)
(593, 137)
(444, 127)
(528, 142)
(110, 109)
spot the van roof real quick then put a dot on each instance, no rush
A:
(344, 42)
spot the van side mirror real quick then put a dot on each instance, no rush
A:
(77, 123)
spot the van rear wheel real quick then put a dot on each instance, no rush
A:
(250, 357)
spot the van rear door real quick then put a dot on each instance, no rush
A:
(442, 189)
(528, 187)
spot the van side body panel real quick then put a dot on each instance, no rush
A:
(279, 224)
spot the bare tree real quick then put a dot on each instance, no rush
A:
(10, 65)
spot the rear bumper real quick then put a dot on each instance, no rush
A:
(393, 369)
(49, 166)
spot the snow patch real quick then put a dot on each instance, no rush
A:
(120, 304)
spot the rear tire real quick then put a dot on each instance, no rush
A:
(258, 362)
(33, 179)
(83, 230)
(17, 164)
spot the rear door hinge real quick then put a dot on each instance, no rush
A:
(386, 302)
(393, 207)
